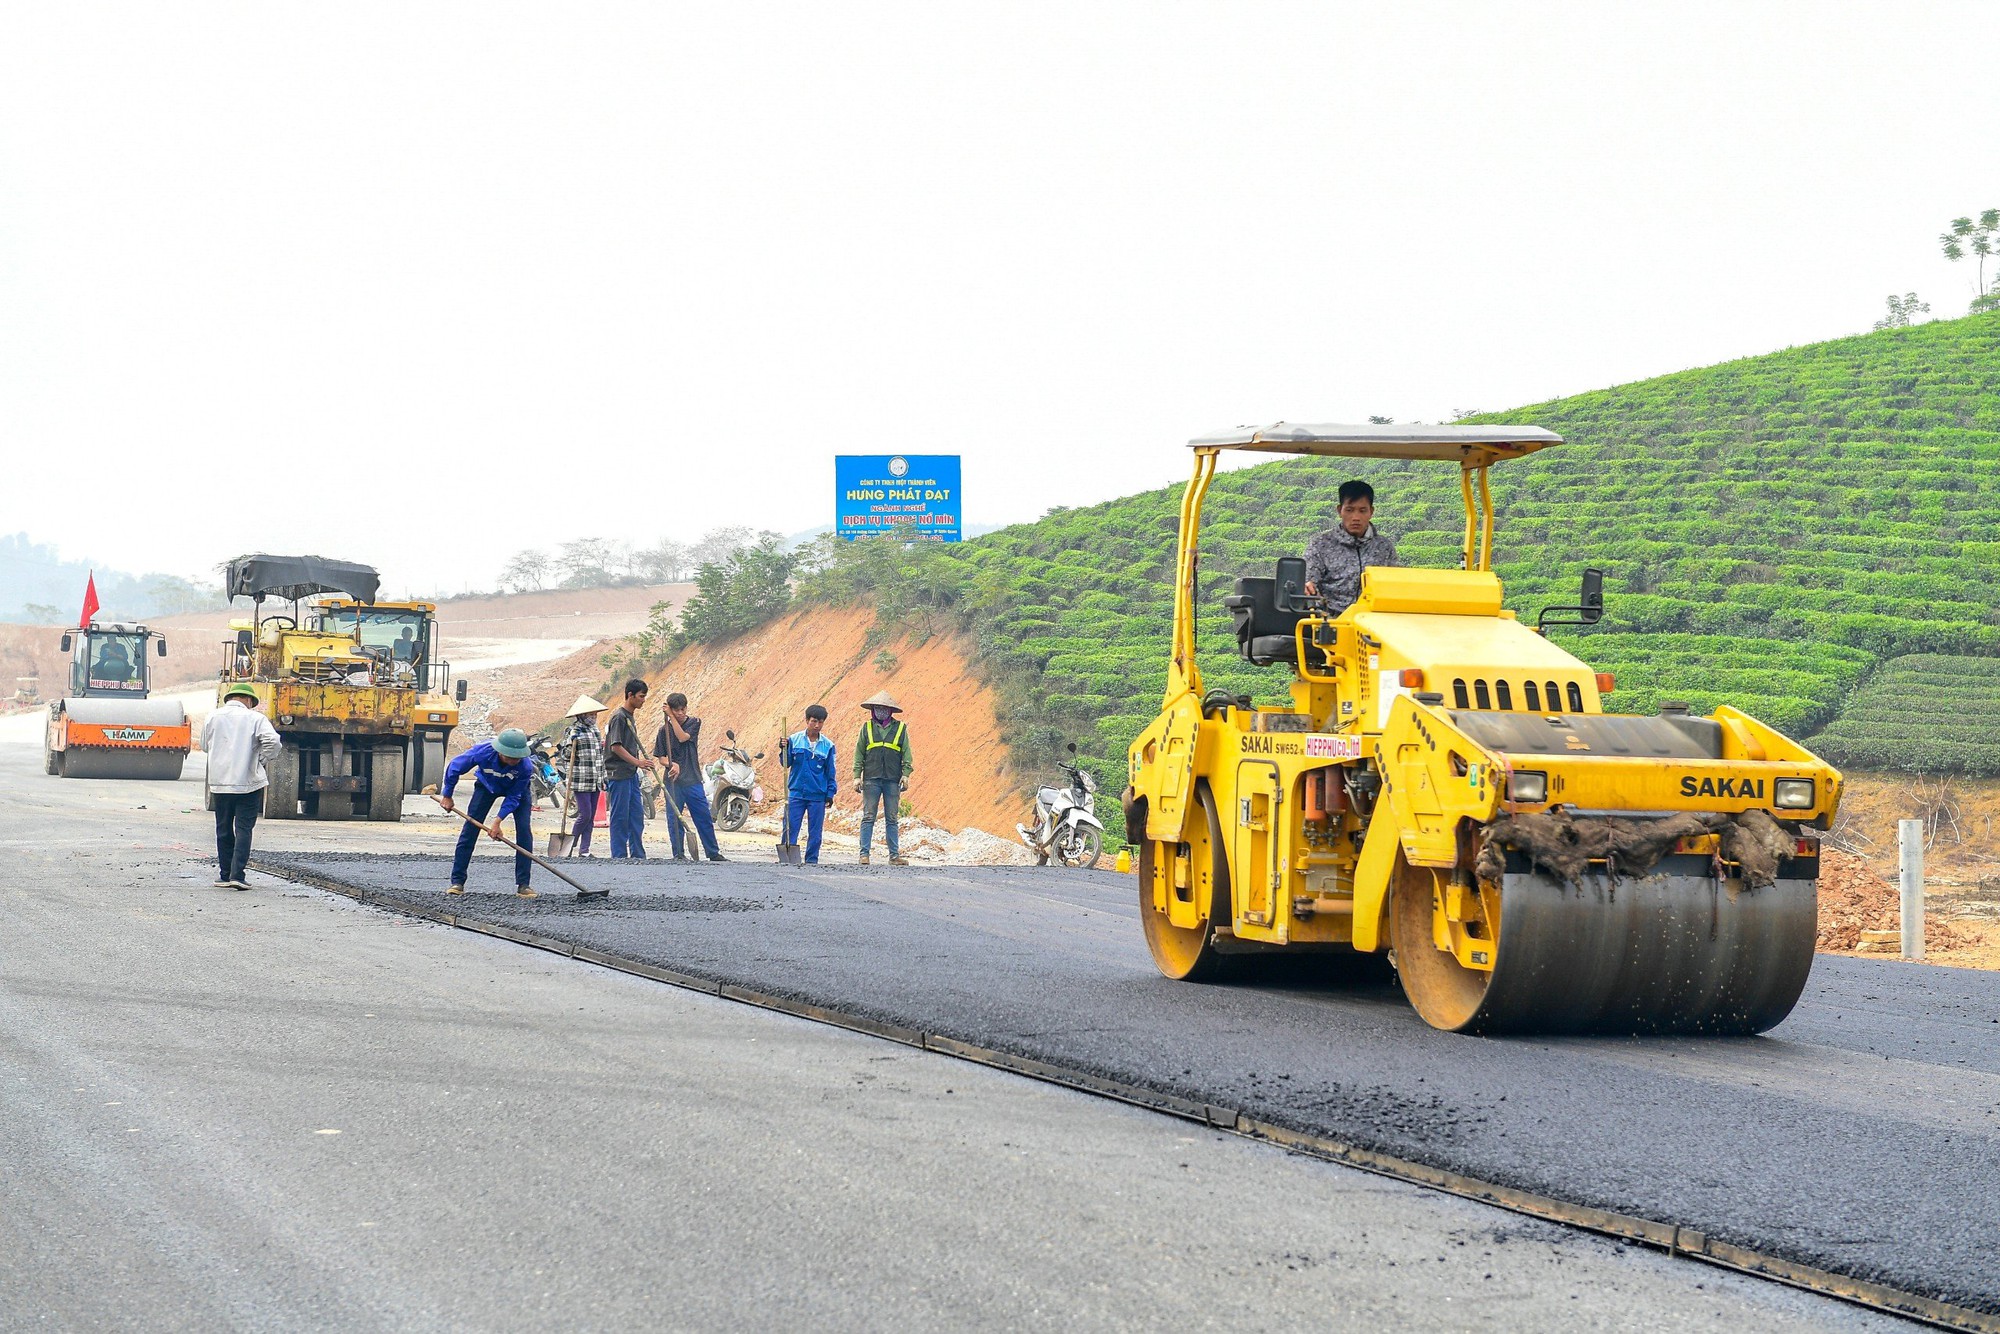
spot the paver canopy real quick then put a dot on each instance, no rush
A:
(296, 577)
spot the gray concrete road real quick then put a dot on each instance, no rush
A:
(281, 1110)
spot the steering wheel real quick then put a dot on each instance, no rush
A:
(290, 623)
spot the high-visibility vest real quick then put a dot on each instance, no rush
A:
(894, 744)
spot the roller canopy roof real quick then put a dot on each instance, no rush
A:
(1455, 444)
(295, 577)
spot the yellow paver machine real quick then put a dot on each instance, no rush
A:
(1445, 784)
(356, 687)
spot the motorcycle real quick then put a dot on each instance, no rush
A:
(546, 780)
(731, 782)
(1066, 824)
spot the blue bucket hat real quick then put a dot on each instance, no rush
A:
(513, 743)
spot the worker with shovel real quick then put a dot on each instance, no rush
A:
(882, 765)
(499, 774)
(811, 781)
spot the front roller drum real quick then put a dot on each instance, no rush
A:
(1676, 951)
(117, 762)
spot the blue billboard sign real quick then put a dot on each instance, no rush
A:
(874, 493)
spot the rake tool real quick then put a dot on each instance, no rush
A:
(583, 895)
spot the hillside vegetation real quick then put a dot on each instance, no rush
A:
(1929, 712)
(1772, 530)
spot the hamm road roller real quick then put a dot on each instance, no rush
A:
(106, 727)
(1444, 784)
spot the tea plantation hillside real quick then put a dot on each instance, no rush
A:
(1772, 529)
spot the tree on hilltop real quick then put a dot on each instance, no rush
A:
(1981, 240)
(528, 572)
(1900, 310)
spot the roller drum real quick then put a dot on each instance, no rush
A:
(126, 712)
(122, 762)
(143, 762)
(1660, 953)
(1674, 951)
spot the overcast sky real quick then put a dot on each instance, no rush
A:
(420, 284)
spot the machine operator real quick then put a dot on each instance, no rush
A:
(1336, 557)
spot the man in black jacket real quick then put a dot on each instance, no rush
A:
(678, 747)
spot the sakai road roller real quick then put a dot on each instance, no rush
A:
(1445, 784)
(106, 726)
(355, 687)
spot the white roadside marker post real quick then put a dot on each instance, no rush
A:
(1910, 844)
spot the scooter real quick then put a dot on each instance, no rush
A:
(1066, 824)
(547, 780)
(731, 781)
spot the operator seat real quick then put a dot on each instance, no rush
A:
(1264, 634)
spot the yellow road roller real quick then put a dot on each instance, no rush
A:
(1445, 784)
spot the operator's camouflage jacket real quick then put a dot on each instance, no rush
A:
(1336, 558)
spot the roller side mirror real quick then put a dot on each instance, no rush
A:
(162, 642)
(1589, 608)
(1591, 604)
(730, 733)
(459, 695)
(65, 643)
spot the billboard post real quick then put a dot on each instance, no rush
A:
(874, 494)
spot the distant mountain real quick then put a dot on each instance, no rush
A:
(39, 587)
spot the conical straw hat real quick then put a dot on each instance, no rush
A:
(584, 704)
(882, 699)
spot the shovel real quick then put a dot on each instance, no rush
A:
(559, 842)
(788, 853)
(583, 895)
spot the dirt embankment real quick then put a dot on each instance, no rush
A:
(763, 680)
(1858, 889)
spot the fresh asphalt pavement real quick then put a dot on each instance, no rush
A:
(1860, 1136)
(278, 1109)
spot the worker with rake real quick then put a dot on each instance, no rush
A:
(498, 775)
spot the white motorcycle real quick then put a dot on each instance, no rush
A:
(732, 786)
(1066, 826)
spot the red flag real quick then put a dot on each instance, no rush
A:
(89, 602)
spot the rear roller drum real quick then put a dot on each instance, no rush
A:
(1192, 879)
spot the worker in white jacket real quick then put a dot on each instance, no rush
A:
(239, 742)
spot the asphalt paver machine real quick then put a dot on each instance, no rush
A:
(107, 725)
(356, 687)
(1444, 784)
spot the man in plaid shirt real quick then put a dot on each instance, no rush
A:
(586, 768)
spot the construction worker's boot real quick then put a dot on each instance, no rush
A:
(899, 861)
(455, 889)
(863, 860)
(525, 893)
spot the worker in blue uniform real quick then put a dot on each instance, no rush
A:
(811, 781)
(499, 774)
